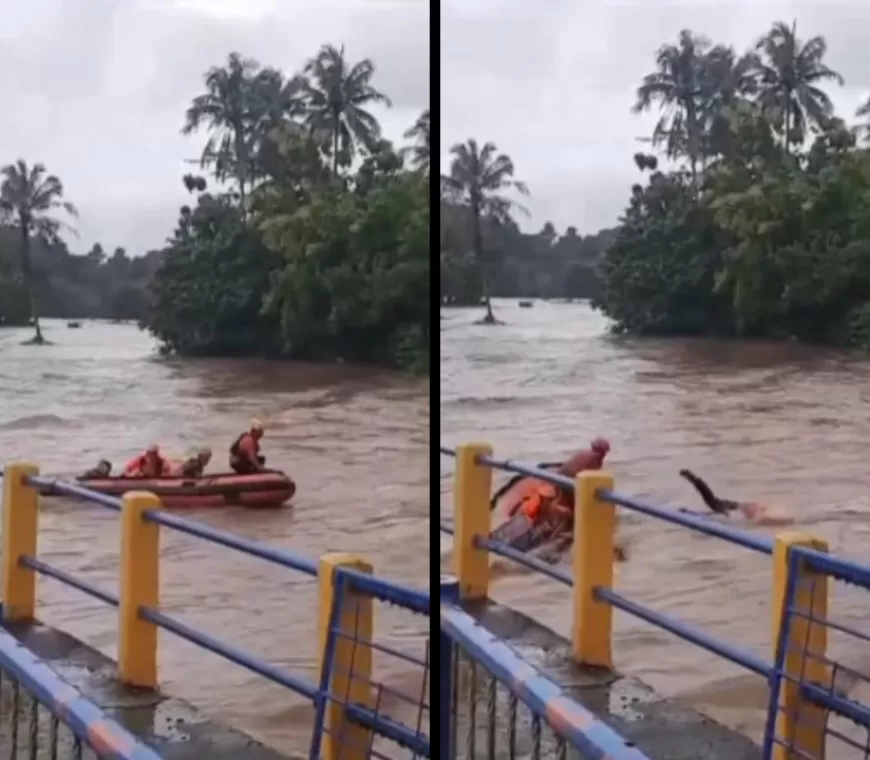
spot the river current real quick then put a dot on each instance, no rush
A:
(356, 441)
(780, 423)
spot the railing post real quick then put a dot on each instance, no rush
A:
(351, 667)
(473, 485)
(800, 723)
(140, 587)
(446, 655)
(20, 528)
(594, 527)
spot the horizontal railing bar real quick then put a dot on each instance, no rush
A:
(747, 540)
(228, 652)
(55, 487)
(67, 579)
(503, 550)
(447, 528)
(85, 719)
(225, 538)
(687, 632)
(530, 470)
(446, 450)
(386, 727)
(407, 597)
(574, 723)
(686, 520)
(844, 570)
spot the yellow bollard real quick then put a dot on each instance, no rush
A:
(351, 673)
(20, 527)
(799, 723)
(594, 528)
(140, 587)
(472, 488)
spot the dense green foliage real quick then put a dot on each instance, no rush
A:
(321, 250)
(762, 228)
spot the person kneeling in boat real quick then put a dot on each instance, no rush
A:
(194, 466)
(753, 512)
(245, 457)
(102, 470)
(546, 514)
(148, 465)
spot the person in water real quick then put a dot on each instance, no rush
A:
(245, 457)
(752, 511)
(194, 466)
(148, 465)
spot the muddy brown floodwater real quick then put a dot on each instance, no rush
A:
(356, 442)
(781, 423)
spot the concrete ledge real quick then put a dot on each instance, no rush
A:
(172, 727)
(663, 730)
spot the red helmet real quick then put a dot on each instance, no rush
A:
(600, 446)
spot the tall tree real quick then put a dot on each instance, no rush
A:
(790, 74)
(478, 178)
(227, 109)
(420, 134)
(337, 95)
(29, 196)
(678, 87)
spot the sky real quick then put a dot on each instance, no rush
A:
(97, 89)
(552, 82)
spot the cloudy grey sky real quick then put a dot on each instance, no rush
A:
(552, 82)
(97, 89)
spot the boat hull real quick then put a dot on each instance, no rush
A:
(259, 490)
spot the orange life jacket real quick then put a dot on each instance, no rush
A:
(535, 505)
(140, 465)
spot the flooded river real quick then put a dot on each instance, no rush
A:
(356, 442)
(780, 423)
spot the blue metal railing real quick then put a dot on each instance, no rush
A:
(86, 721)
(824, 694)
(374, 719)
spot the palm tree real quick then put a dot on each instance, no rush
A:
(478, 177)
(419, 133)
(678, 86)
(336, 97)
(730, 81)
(790, 73)
(228, 111)
(28, 197)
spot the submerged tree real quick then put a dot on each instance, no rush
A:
(29, 198)
(478, 178)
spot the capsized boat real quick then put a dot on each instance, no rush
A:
(257, 490)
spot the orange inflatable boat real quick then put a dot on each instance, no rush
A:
(261, 489)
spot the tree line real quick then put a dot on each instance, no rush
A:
(483, 252)
(307, 233)
(38, 273)
(755, 224)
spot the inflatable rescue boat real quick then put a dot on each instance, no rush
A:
(261, 489)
